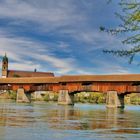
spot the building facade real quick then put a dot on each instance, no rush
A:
(6, 73)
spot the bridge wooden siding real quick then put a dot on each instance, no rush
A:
(121, 88)
(100, 83)
(94, 86)
(100, 87)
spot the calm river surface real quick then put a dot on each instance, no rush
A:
(48, 121)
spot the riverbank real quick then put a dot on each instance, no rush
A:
(83, 97)
(90, 97)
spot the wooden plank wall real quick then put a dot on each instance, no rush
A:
(120, 87)
(99, 87)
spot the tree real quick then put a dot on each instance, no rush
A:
(130, 25)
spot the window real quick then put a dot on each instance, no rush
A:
(86, 83)
(63, 84)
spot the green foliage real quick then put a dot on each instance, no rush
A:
(130, 19)
(12, 94)
(135, 101)
(55, 97)
(91, 97)
(46, 98)
(97, 98)
(132, 98)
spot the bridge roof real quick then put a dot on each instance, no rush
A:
(28, 80)
(100, 78)
(72, 78)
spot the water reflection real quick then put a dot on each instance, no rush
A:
(12, 114)
(41, 119)
(66, 117)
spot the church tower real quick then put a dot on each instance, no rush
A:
(4, 66)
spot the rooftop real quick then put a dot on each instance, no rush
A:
(28, 80)
(101, 78)
(16, 73)
(74, 78)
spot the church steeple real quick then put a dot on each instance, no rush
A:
(4, 66)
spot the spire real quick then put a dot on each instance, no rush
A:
(5, 58)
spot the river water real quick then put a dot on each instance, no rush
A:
(49, 121)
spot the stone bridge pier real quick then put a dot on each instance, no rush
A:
(23, 96)
(114, 100)
(65, 98)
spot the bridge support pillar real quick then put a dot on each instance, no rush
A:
(65, 98)
(114, 100)
(22, 96)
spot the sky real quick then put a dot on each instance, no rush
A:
(61, 36)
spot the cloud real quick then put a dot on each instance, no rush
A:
(24, 54)
(60, 36)
(109, 67)
(66, 18)
(27, 66)
(48, 14)
(95, 38)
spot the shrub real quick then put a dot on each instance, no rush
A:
(46, 97)
(55, 97)
(12, 94)
(90, 97)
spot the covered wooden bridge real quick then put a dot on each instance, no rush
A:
(116, 86)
